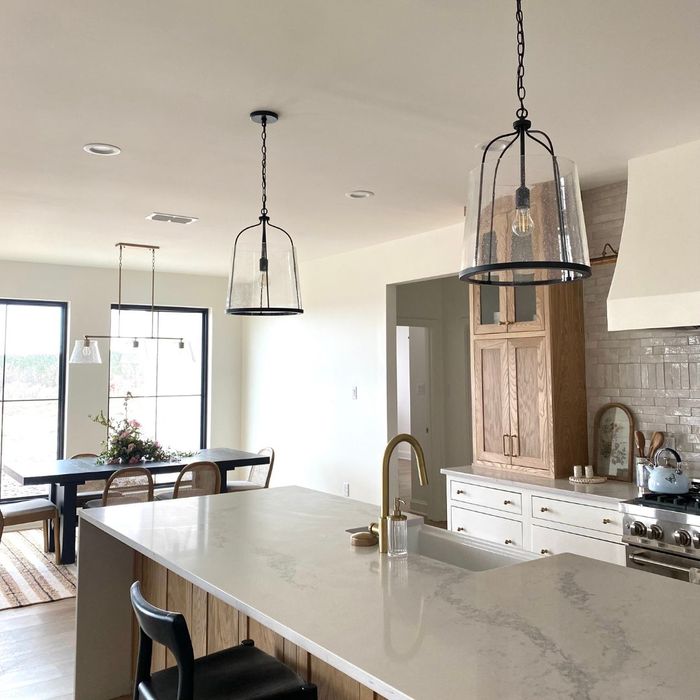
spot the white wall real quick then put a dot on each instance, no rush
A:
(299, 371)
(89, 293)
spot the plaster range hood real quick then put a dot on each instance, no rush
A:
(657, 276)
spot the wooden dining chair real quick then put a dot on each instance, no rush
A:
(126, 485)
(237, 673)
(32, 510)
(195, 479)
(90, 489)
(258, 476)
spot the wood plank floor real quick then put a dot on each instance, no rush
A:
(37, 651)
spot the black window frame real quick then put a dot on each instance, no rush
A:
(204, 312)
(62, 379)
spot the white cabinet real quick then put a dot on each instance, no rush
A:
(547, 541)
(492, 528)
(544, 522)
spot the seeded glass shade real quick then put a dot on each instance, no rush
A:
(85, 352)
(546, 246)
(263, 283)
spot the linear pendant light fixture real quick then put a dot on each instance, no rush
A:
(87, 351)
(264, 279)
(524, 222)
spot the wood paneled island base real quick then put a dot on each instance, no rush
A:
(213, 625)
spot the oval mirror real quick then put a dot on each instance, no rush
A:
(613, 442)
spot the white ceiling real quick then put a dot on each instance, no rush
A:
(389, 96)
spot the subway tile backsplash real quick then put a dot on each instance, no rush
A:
(656, 373)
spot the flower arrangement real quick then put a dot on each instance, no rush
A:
(125, 444)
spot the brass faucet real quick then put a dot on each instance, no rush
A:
(381, 529)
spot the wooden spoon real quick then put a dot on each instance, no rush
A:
(641, 442)
(657, 442)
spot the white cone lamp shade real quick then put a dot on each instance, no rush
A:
(264, 279)
(86, 352)
(537, 237)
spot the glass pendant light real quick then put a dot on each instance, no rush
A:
(264, 279)
(524, 220)
(86, 351)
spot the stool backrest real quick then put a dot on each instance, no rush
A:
(260, 474)
(169, 629)
(134, 482)
(205, 481)
(83, 454)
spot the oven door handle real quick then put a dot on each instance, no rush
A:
(643, 561)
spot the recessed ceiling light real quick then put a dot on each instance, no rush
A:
(102, 149)
(359, 194)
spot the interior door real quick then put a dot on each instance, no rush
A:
(527, 370)
(491, 401)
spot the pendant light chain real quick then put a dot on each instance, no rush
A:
(521, 112)
(263, 150)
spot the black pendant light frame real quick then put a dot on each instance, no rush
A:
(522, 130)
(265, 117)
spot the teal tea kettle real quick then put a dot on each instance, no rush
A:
(666, 479)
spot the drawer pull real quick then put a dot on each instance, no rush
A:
(507, 503)
(460, 492)
(508, 542)
(460, 529)
(544, 509)
(544, 551)
(606, 521)
(515, 452)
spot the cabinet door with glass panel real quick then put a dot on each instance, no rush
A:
(507, 309)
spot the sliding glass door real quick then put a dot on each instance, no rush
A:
(32, 387)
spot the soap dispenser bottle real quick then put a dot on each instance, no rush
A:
(398, 531)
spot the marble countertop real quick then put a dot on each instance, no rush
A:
(614, 491)
(559, 627)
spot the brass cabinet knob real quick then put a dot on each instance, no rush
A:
(460, 529)
(460, 492)
(606, 521)
(544, 551)
(509, 542)
(507, 502)
(543, 509)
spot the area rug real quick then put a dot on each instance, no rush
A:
(28, 575)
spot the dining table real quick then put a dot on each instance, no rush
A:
(65, 475)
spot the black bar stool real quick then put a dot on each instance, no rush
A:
(242, 672)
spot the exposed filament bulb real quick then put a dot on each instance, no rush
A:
(523, 225)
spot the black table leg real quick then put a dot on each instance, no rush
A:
(66, 502)
(224, 476)
(52, 497)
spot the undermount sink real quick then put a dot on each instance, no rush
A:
(461, 550)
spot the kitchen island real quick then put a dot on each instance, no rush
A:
(277, 565)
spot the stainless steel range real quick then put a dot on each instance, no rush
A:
(662, 533)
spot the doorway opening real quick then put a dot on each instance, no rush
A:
(429, 394)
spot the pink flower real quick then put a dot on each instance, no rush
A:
(134, 460)
(134, 424)
(130, 447)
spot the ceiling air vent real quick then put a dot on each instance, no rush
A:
(172, 218)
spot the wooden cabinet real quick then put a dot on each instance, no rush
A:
(528, 378)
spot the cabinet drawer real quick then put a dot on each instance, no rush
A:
(487, 527)
(510, 501)
(577, 514)
(547, 541)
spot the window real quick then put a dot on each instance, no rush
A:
(32, 387)
(168, 384)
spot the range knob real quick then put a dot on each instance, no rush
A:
(696, 540)
(656, 533)
(638, 529)
(682, 537)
